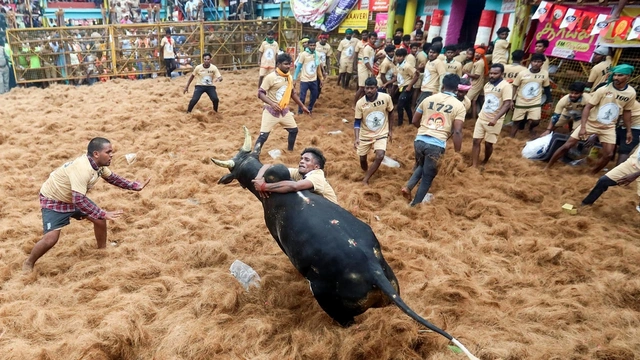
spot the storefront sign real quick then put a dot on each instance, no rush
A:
(381, 25)
(363, 5)
(379, 5)
(575, 44)
(356, 20)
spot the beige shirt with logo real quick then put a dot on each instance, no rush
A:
(374, 116)
(494, 98)
(610, 103)
(387, 71)
(323, 52)
(269, 53)
(77, 175)
(433, 72)
(439, 111)
(477, 69)
(453, 67)
(500, 52)
(366, 54)
(599, 73)
(347, 50)
(309, 71)
(572, 110)
(320, 184)
(405, 74)
(205, 76)
(167, 48)
(530, 86)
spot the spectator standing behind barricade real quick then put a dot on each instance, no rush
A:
(206, 75)
(168, 52)
(267, 54)
(4, 69)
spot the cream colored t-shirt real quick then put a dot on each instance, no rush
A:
(167, 46)
(610, 103)
(530, 87)
(347, 50)
(275, 86)
(500, 52)
(421, 59)
(320, 184)
(366, 55)
(453, 67)
(433, 72)
(572, 110)
(205, 76)
(269, 53)
(76, 175)
(439, 111)
(387, 70)
(494, 98)
(410, 59)
(635, 116)
(323, 52)
(405, 74)
(477, 69)
(374, 115)
(309, 71)
(511, 71)
(599, 73)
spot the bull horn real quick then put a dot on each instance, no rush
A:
(229, 164)
(247, 139)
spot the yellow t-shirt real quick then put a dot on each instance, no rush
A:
(269, 53)
(205, 76)
(76, 175)
(405, 74)
(275, 86)
(387, 70)
(374, 115)
(347, 49)
(320, 184)
(309, 70)
(167, 46)
(610, 103)
(323, 52)
(530, 87)
(500, 52)
(494, 98)
(439, 111)
(599, 73)
(453, 67)
(511, 71)
(410, 59)
(433, 72)
(572, 110)
(477, 69)
(461, 57)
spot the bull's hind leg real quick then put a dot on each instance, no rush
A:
(332, 305)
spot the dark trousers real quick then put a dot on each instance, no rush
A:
(601, 186)
(426, 168)
(404, 105)
(170, 65)
(197, 93)
(312, 86)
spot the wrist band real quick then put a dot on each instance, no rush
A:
(263, 187)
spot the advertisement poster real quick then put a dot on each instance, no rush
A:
(381, 25)
(379, 5)
(356, 20)
(575, 44)
(610, 39)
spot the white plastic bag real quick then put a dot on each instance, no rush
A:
(390, 162)
(245, 274)
(536, 148)
(275, 153)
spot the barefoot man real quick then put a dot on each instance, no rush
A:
(63, 196)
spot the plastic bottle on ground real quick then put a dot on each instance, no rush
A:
(245, 274)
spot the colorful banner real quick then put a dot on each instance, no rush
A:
(564, 43)
(381, 25)
(363, 5)
(356, 20)
(379, 5)
(429, 6)
(609, 39)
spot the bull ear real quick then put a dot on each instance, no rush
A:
(226, 179)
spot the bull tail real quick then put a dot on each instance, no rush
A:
(385, 286)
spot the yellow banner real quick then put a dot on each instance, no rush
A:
(356, 20)
(613, 39)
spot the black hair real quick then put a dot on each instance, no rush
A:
(389, 48)
(517, 55)
(401, 52)
(414, 44)
(167, 31)
(206, 54)
(544, 42)
(311, 42)
(503, 29)
(284, 57)
(364, 32)
(317, 155)
(397, 40)
(436, 49)
(271, 32)
(426, 47)
(577, 86)
(406, 37)
(437, 39)
(540, 57)
(371, 81)
(450, 82)
(419, 32)
(373, 34)
(498, 66)
(400, 30)
(96, 144)
(419, 21)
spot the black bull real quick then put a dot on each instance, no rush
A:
(337, 253)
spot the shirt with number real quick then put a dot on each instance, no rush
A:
(374, 116)
(530, 87)
(494, 98)
(347, 50)
(599, 73)
(434, 70)
(511, 71)
(309, 70)
(320, 184)
(405, 74)
(77, 175)
(387, 70)
(610, 103)
(453, 67)
(167, 46)
(439, 111)
(323, 52)
(269, 53)
(572, 110)
(205, 76)
(500, 52)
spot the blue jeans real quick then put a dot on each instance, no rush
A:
(426, 168)
(312, 86)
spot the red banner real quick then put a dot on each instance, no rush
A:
(558, 15)
(379, 5)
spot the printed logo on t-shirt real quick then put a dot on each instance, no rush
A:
(206, 80)
(280, 92)
(323, 57)
(389, 75)
(531, 90)
(375, 120)
(491, 103)
(268, 54)
(437, 121)
(608, 113)
(349, 51)
(310, 68)
(400, 79)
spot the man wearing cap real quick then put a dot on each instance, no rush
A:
(267, 55)
(324, 51)
(498, 95)
(307, 70)
(501, 47)
(600, 70)
(601, 114)
(346, 50)
(528, 87)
